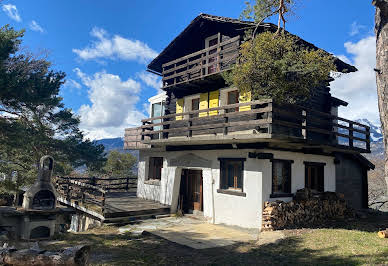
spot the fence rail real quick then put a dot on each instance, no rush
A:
(268, 119)
(92, 189)
(201, 64)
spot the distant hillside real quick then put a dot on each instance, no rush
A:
(116, 144)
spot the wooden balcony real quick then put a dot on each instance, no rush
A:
(264, 122)
(199, 65)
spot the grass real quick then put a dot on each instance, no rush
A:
(356, 243)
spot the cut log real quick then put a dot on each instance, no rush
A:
(383, 234)
(74, 256)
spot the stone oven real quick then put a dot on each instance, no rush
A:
(39, 204)
(42, 195)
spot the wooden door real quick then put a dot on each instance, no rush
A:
(192, 190)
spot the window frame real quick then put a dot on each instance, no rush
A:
(281, 194)
(223, 184)
(319, 174)
(237, 100)
(151, 172)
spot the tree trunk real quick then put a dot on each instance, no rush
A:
(381, 30)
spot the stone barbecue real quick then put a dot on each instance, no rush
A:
(37, 218)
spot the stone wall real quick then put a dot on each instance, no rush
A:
(305, 210)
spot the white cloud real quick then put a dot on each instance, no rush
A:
(356, 28)
(112, 107)
(151, 80)
(359, 88)
(71, 84)
(12, 12)
(35, 26)
(115, 47)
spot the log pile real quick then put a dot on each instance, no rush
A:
(383, 234)
(306, 209)
(78, 255)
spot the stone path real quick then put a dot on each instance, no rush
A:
(198, 234)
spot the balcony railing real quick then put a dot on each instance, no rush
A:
(265, 121)
(201, 64)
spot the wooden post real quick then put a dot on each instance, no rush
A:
(226, 120)
(127, 183)
(351, 134)
(270, 117)
(190, 132)
(82, 196)
(142, 131)
(304, 124)
(367, 135)
(103, 202)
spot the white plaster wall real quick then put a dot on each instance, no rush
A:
(230, 209)
(144, 190)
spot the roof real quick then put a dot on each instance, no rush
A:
(171, 51)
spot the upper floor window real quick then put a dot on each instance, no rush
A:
(233, 98)
(212, 53)
(195, 106)
(281, 177)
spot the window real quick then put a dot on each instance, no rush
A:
(233, 99)
(209, 42)
(281, 177)
(231, 171)
(195, 106)
(155, 168)
(314, 176)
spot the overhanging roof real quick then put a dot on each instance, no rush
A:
(185, 41)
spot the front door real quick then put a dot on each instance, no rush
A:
(191, 190)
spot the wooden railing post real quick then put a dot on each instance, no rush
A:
(142, 131)
(270, 116)
(367, 137)
(127, 185)
(189, 131)
(226, 121)
(351, 132)
(103, 202)
(304, 124)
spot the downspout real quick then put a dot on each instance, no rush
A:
(213, 209)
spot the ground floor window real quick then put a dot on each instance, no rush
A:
(155, 168)
(314, 176)
(231, 174)
(281, 177)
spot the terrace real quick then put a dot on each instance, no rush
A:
(252, 122)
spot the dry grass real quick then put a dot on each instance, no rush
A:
(354, 244)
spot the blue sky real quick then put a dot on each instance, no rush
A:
(104, 47)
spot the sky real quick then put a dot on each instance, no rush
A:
(104, 47)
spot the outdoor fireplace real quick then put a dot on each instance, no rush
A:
(39, 204)
(42, 194)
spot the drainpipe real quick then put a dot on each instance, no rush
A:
(214, 211)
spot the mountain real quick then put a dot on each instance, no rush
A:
(112, 144)
(116, 144)
(375, 130)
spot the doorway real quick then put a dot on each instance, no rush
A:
(191, 191)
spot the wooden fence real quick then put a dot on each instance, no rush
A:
(92, 190)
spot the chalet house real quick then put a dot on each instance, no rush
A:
(208, 149)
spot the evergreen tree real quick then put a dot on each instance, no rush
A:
(33, 119)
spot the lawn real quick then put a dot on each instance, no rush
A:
(355, 243)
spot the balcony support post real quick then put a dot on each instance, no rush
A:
(351, 132)
(367, 135)
(226, 121)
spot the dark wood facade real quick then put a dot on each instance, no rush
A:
(189, 65)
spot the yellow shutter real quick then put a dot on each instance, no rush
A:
(213, 101)
(203, 103)
(179, 108)
(244, 98)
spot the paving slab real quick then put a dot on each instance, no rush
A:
(203, 235)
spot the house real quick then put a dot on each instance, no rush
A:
(208, 149)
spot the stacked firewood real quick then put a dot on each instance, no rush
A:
(306, 209)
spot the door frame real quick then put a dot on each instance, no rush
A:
(186, 191)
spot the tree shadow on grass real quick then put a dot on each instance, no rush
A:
(114, 249)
